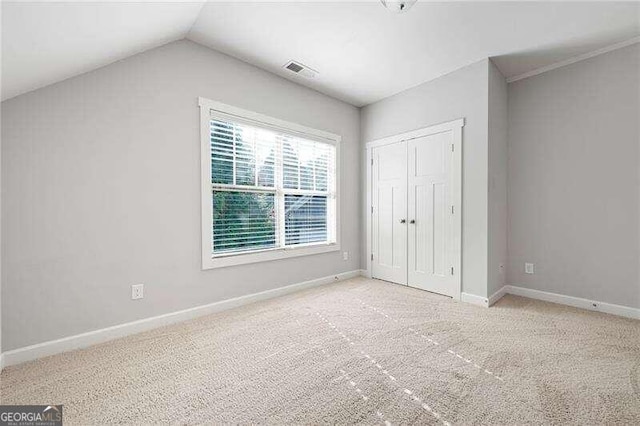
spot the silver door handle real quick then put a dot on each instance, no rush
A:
(403, 220)
(412, 221)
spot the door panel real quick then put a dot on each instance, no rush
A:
(385, 225)
(430, 230)
(439, 229)
(389, 202)
(422, 205)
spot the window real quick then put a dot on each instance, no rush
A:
(269, 187)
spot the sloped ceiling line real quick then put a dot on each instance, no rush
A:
(362, 51)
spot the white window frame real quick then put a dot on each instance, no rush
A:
(212, 109)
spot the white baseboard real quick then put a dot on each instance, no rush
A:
(577, 302)
(474, 300)
(83, 340)
(498, 295)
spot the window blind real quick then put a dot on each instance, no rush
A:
(270, 190)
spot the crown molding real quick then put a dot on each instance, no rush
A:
(575, 59)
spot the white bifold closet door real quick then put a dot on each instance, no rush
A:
(430, 200)
(389, 196)
(413, 213)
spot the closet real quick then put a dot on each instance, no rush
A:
(415, 201)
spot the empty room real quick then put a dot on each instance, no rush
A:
(320, 212)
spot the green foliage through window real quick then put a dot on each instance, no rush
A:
(263, 181)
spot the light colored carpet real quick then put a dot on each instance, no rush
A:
(360, 351)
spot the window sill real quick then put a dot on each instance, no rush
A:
(267, 255)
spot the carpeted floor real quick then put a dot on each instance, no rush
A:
(359, 351)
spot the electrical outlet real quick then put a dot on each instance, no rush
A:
(345, 255)
(528, 268)
(501, 268)
(137, 291)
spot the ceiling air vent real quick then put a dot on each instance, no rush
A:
(301, 69)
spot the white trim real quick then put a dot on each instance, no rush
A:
(457, 203)
(474, 300)
(268, 255)
(577, 302)
(456, 127)
(208, 109)
(483, 301)
(574, 59)
(498, 295)
(255, 118)
(205, 185)
(418, 133)
(84, 340)
(368, 210)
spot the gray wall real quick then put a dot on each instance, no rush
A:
(573, 179)
(0, 197)
(101, 190)
(462, 93)
(497, 235)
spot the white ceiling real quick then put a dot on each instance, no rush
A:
(43, 43)
(363, 52)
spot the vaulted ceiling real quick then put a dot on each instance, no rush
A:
(362, 51)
